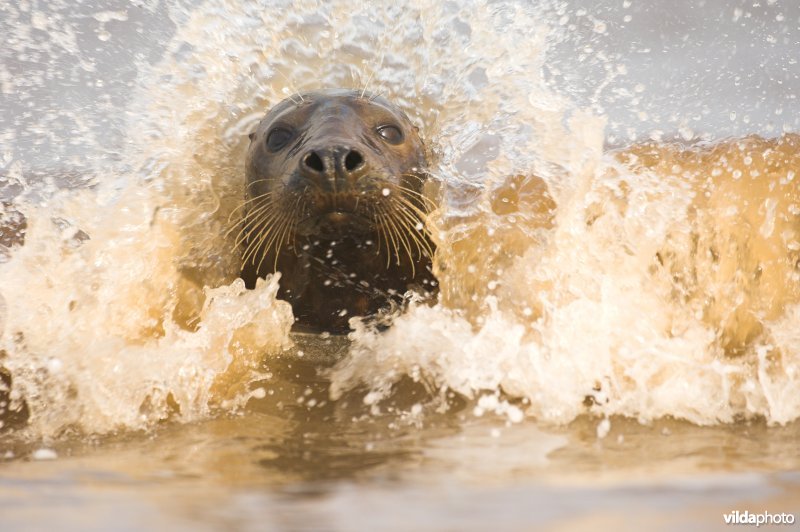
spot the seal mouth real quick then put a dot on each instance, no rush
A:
(339, 217)
(335, 223)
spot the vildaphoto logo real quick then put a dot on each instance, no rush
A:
(764, 518)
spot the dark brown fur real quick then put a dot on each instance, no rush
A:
(334, 202)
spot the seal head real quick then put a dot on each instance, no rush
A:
(334, 202)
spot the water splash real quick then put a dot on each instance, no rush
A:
(656, 292)
(569, 280)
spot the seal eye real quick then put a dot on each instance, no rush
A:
(278, 138)
(391, 134)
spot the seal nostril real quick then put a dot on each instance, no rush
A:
(314, 162)
(353, 160)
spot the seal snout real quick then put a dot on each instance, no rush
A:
(334, 201)
(329, 165)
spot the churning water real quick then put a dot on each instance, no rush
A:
(618, 262)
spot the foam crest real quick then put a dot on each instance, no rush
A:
(653, 290)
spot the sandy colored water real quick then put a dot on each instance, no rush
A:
(301, 468)
(615, 340)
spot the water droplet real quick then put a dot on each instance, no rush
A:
(603, 428)
(258, 393)
(44, 454)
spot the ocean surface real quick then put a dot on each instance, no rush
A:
(615, 343)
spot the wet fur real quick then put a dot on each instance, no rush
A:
(364, 263)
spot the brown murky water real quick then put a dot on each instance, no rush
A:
(283, 464)
(337, 468)
(615, 341)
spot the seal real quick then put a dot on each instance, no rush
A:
(334, 201)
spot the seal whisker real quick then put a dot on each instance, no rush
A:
(301, 208)
(277, 240)
(245, 228)
(394, 236)
(422, 236)
(268, 204)
(396, 223)
(429, 203)
(382, 56)
(401, 237)
(411, 236)
(293, 88)
(364, 90)
(248, 218)
(386, 235)
(286, 223)
(415, 226)
(414, 208)
(403, 223)
(254, 181)
(388, 238)
(264, 244)
(277, 224)
(416, 194)
(258, 211)
(377, 223)
(287, 228)
(252, 225)
(250, 252)
(264, 227)
(255, 203)
(247, 202)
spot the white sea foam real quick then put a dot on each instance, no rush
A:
(122, 307)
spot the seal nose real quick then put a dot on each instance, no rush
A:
(333, 164)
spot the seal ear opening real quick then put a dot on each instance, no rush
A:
(251, 136)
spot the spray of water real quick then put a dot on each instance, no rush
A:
(645, 282)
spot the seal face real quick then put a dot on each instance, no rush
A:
(334, 202)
